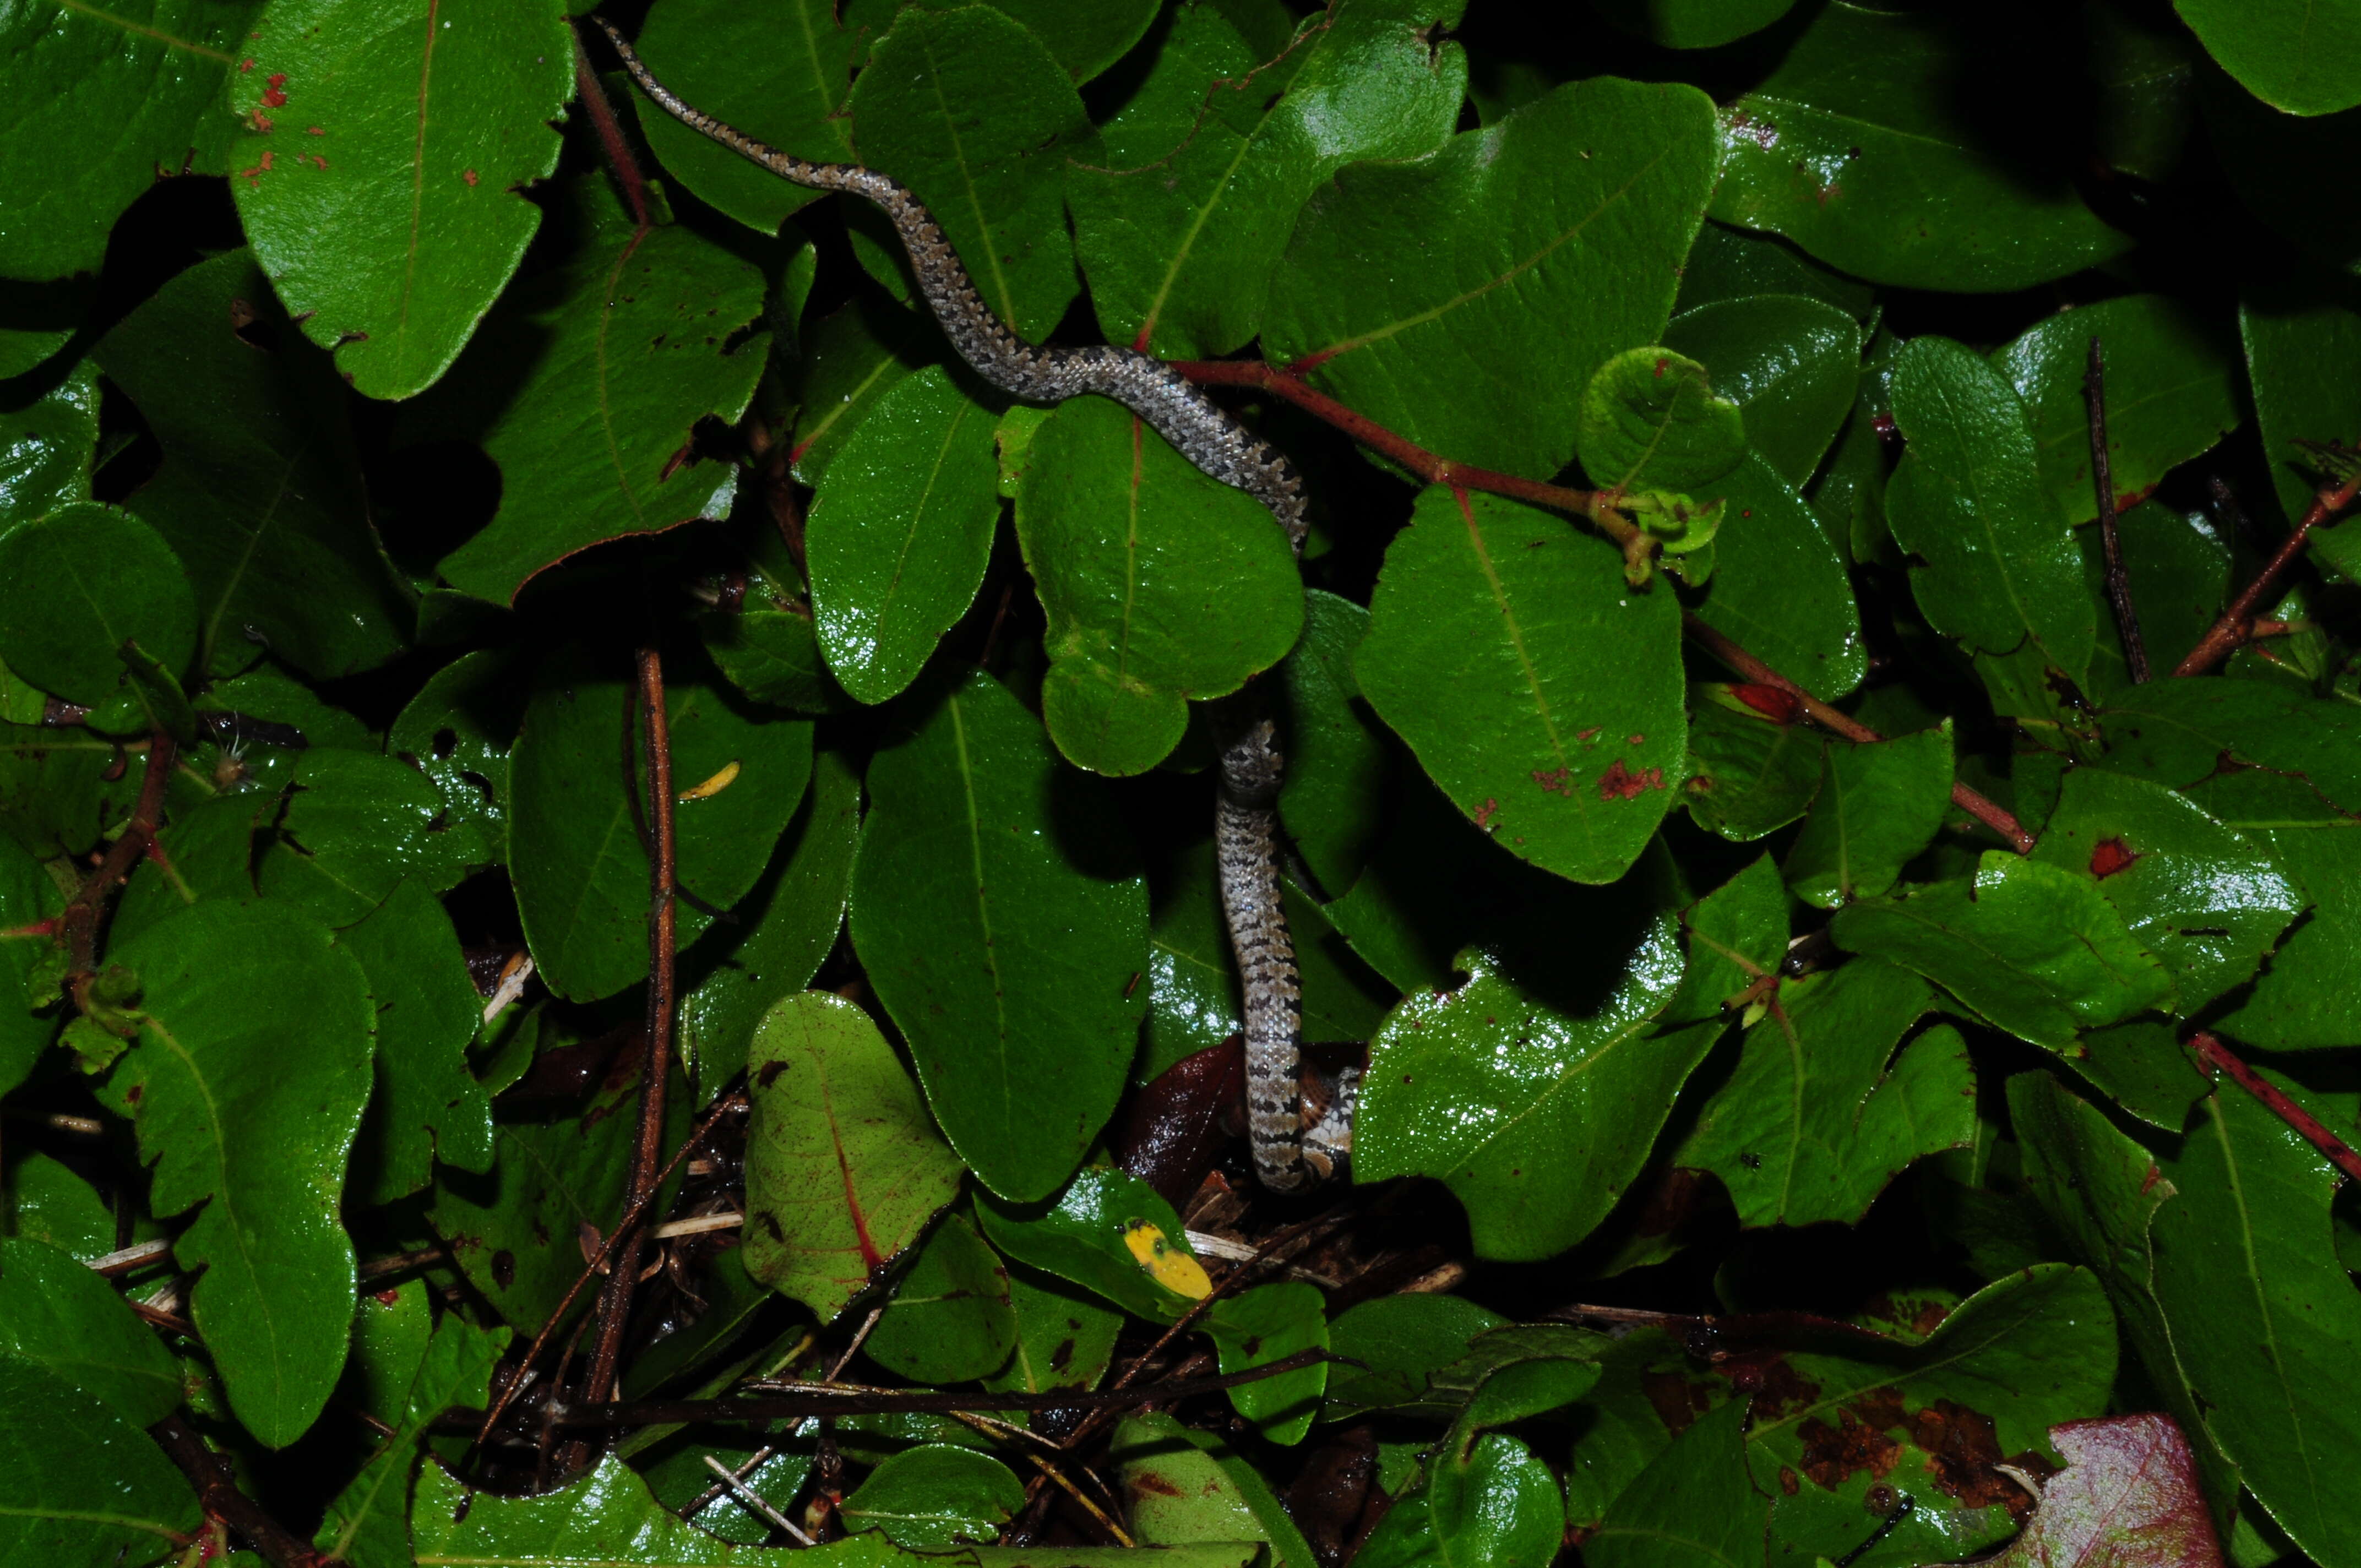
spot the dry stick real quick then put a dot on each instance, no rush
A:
(615, 1301)
(2119, 581)
(219, 1496)
(610, 137)
(79, 926)
(2228, 632)
(626, 1226)
(1983, 808)
(2338, 1151)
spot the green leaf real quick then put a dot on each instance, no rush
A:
(1878, 805)
(1621, 1432)
(85, 581)
(1184, 1487)
(27, 899)
(1536, 1117)
(387, 157)
(45, 448)
(2204, 898)
(1536, 687)
(935, 1495)
(1332, 798)
(2000, 563)
(1650, 420)
(2172, 392)
(2300, 59)
(1789, 363)
(458, 731)
(1483, 351)
(1748, 773)
(1729, 263)
(1693, 1506)
(1180, 221)
(1815, 1121)
(61, 1316)
(2302, 340)
(82, 1484)
(2304, 999)
(366, 1524)
(1064, 1339)
(575, 853)
(356, 827)
(1267, 1323)
(42, 1200)
(583, 386)
(780, 73)
(1159, 583)
(842, 1169)
(1854, 150)
(427, 1106)
(209, 1070)
(1496, 1505)
(1693, 24)
(1780, 586)
(150, 71)
(1399, 1342)
(949, 1320)
(1108, 1232)
(2263, 1317)
(1003, 937)
(261, 495)
(2036, 950)
(970, 111)
(851, 358)
(900, 531)
(786, 928)
(1737, 936)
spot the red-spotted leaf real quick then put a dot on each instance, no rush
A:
(2127, 1498)
(843, 1170)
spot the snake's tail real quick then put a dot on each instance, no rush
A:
(1247, 846)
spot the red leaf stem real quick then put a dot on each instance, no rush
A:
(2236, 625)
(2211, 1050)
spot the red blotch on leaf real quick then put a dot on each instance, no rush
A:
(2110, 856)
(469, 176)
(1620, 782)
(275, 93)
(1557, 781)
(2127, 1498)
(1486, 812)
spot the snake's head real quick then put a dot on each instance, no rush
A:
(1251, 765)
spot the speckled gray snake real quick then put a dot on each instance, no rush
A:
(1288, 1156)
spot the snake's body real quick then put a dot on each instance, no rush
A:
(1246, 824)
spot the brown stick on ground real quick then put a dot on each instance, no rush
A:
(79, 924)
(2119, 581)
(219, 1496)
(2211, 1050)
(1981, 807)
(647, 1153)
(2232, 630)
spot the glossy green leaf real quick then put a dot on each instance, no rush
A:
(2297, 58)
(83, 581)
(772, 656)
(1108, 1232)
(1399, 1342)
(366, 1524)
(82, 1484)
(27, 899)
(1496, 1505)
(949, 1320)
(427, 1106)
(1693, 1506)
(457, 732)
(852, 357)
(46, 448)
(1005, 952)
(935, 1495)
(1816, 1120)
(1483, 353)
(785, 931)
(1535, 1117)
(1748, 773)
(41, 1200)
(583, 386)
(1788, 362)
(1651, 420)
(1180, 221)
(1267, 1323)
(1620, 1430)
(1064, 1339)
(1729, 263)
(151, 72)
(1160, 584)
(1536, 686)
(1878, 805)
(1332, 798)
(2033, 948)
(967, 109)
(1737, 935)
(261, 494)
(63, 1317)
(2302, 339)
(1779, 584)
(1184, 1486)
(2262, 1315)
(575, 852)
(381, 164)
(62, 789)
(2172, 392)
(2001, 564)
(842, 1169)
(780, 73)
(2302, 999)
(355, 828)
(899, 533)
(209, 1068)
(1854, 148)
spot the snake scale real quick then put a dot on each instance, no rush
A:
(1293, 1150)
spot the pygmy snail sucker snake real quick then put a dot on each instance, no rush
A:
(1247, 825)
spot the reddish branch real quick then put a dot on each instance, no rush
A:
(218, 1495)
(2236, 624)
(2211, 1051)
(79, 924)
(647, 1151)
(610, 137)
(2111, 545)
(1981, 807)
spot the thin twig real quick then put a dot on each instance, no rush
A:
(2111, 545)
(378, 1269)
(647, 1153)
(126, 1259)
(79, 924)
(2227, 633)
(737, 1487)
(610, 137)
(1981, 807)
(2338, 1151)
(218, 1495)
